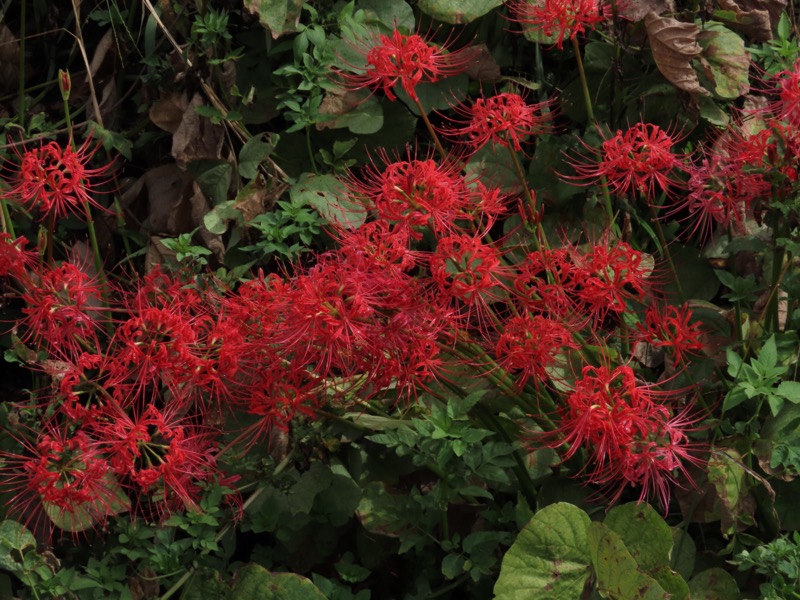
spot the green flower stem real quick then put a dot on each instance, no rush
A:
(8, 225)
(587, 99)
(528, 195)
(771, 314)
(310, 149)
(439, 148)
(665, 250)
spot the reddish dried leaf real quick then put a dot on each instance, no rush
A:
(674, 45)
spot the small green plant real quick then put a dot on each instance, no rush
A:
(779, 562)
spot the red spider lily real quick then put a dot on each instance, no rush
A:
(530, 346)
(416, 193)
(158, 454)
(638, 160)
(627, 430)
(505, 119)
(671, 327)
(15, 261)
(64, 476)
(468, 272)
(55, 180)
(407, 60)
(63, 311)
(559, 19)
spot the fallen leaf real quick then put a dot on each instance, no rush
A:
(196, 138)
(755, 23)
(674, 45)
(483, 66)
(9, 59)
(637, 10)
(167, 113)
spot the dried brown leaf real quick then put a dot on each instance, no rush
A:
(755, 23)
(483, 66)
(165, 190)
(9, 59)
(674, 45)
(196, 138)
(636, 10)
(167, 113)
(104, 69)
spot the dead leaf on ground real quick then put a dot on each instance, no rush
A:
(9, 59)
(104, 68)
(196, 138)
(674, 45)
(637, 10)
(167, 113)
(165, 190)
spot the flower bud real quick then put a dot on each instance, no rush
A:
(64, 84)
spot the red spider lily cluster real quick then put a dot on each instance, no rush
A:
(559, 19)
(151, 383)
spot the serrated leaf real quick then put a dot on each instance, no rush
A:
(549, 559)
(618, 575)
(457, 12)
(789, 390)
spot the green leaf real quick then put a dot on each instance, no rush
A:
(253, 153)
(436, 96)
(213, 177)
(618, 575)
(15, 541)
(279, 16)
(254, 582)
(549, 559)
(725, 60)
(457, 12)
(330, 198)
(646, 535)
(729, 478)
(789, 390)
(684, 553)
(714, 584)
(389, 13)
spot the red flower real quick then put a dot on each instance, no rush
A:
(562, 19)
(63, 311)
(531, 345)
(628, 431)
(416, 194)
(14, 259)
(159, 454)
(66, 477)
(407, 60)
(639, 159)
(505, 119)
(56, 180)
(671, 327)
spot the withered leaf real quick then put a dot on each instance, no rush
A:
(167, 113)
(636, 10)
(674, 45)
(755, 23)
(196, 138)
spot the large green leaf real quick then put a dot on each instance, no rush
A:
(331, 199)
(279, 16)
(714, 584)
(618, 575)
(457, 11)
(724, 60)
(254, 582)
(15, 541)
(550, 557)
(646, 535)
